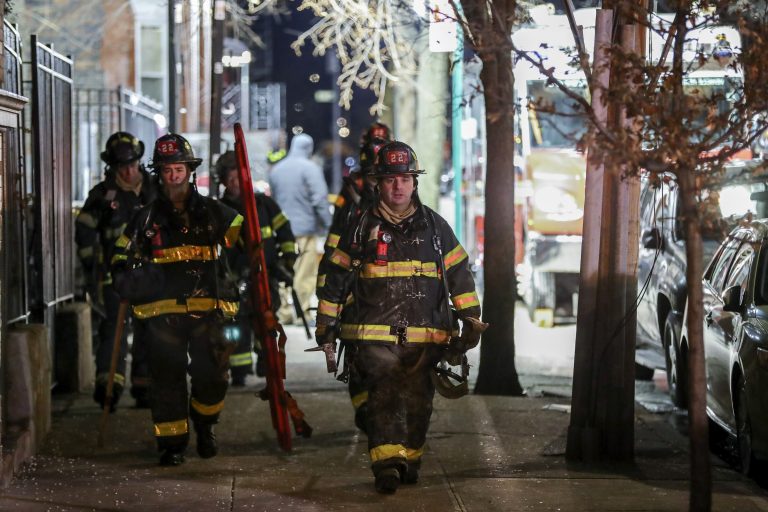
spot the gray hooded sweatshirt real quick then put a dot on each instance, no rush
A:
(299, 188)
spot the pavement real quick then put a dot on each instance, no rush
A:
(483, 454)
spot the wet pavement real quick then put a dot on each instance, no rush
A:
(483, 454)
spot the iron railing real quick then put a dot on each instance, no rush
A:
(52, 267)
(100, 113)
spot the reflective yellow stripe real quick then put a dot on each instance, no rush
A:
(241, 359)
(85, 252)
(233, 232)
(196, 305)
(266, 232)
(288, 247)
(413, 454)
(359, 399)
(369, 332)
(341, 259)
(207, 410)
(114, 232)
(328, 308)
(122, 241)
(465, 300)
(387, 451)
(87, 220)
(456, 256)
(171, 428)
(332, 241)
(320, 280)
(400, 269)
(103, 378)
(183, 253)
(279, 221)
(118, 257)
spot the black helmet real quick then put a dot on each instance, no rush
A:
(122, 148)
(396, 158)
(225, 163)
(172, 148)
(377, 130)
(368, 154)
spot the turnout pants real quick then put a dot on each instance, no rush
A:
(399, 404)
(171, 338)
(241, 361)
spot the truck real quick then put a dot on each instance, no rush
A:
(552, 167)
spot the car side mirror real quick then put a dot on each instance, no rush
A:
(651, 239)
(732, 299)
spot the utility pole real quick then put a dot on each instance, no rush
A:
(172, 66)
(217, 69)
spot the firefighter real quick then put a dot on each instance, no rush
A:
(108, 208)
(357, 196)
(401, 262)
(280, 255)
(169, 264)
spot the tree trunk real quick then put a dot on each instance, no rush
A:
(701, 472)
(497, 374)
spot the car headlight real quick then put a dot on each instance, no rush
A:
(557, 204)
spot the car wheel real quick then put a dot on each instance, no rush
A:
(744, 431)
(677, 377)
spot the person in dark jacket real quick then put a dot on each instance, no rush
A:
(168, 263)
(279, 252)
(102, 219)
(402, 264)
(358, 196)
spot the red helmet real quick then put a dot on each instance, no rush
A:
(172, 148)
(396, 158)
(377, 130)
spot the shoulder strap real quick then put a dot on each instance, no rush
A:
(437, 243)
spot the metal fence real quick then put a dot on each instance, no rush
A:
(53, 254)
(15, 306)
(98, 114)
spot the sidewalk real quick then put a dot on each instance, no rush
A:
(483, 454)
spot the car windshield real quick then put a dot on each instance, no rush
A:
(555, 119)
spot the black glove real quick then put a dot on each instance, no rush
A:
(284, 272)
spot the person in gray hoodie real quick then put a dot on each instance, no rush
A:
(299, 188)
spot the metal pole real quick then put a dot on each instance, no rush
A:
(457, 93)
(333, 67)
(171, 66)
(217, 50)
(245, 97)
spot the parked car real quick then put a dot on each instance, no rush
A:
(662, 267)
(735, 327)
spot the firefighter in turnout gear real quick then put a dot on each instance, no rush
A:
(168, 264)
(279, 253)
(402, 265)
(107, 210)
(357, 196)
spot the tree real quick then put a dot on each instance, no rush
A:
(677, 126)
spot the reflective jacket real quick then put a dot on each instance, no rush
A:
(184, 249)
(102, 220)
(384, 282)
(276, 234)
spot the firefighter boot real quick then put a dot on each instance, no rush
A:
(411, 474)
(172, 457)
(388, 479)
(206, 441)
